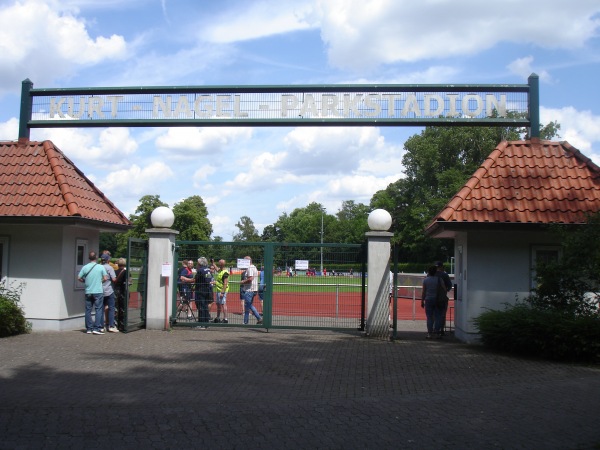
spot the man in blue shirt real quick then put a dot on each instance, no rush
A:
(93, 275)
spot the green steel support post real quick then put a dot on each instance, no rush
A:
(268, 295)
(534, 105)
(25, 116)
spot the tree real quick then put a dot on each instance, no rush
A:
(272, 233)
(191, 219)
(108, 241)
(248, 231)
(564, 285)
(437, 163)
(351, 223)
(140, 221)
(304, 224)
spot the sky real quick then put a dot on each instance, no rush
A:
(263, 172)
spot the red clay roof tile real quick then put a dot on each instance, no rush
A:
(38, 180)
(537, 182)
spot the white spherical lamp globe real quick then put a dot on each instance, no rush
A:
(162, 217)
(379, 220)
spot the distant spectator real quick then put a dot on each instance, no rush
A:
(222, 288)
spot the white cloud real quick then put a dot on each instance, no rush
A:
(185, 143)
(135, 181)
(222, 223)
(580, 128)
(523, 68)
(9, 130)
(358, 188)
(202, 174)
(103, 148)
(260, 19)
(44, 44)
(363, 34)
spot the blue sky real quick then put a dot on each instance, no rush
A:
(263, 172)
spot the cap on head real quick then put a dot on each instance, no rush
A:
(105, 257)
(439, 264)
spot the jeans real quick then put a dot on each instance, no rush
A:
(248, 306)
(432, 315)
(109, 301)
(97, 302)
(202, 306)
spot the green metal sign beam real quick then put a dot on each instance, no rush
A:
(290, 106)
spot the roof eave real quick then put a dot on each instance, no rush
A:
(66, 221)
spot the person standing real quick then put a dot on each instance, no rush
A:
(250, 285)
(121, 291)
(109, 294)
(441, 273)
(222, 287)
(113, 265)
(242, 289)
(185, 282)
(429, 291)
(261, 288)
(93, 274)
(204, 293)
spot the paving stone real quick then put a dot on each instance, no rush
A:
(286, 389)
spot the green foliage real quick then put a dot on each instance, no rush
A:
(351, 223)
(304, 224)
(108, 241)
(565, 285)
(558, 321)
(248, 231)
(141, 218)
(547, 333)
(437, 163)
(12, 317)
(191, 219)
(140, 221)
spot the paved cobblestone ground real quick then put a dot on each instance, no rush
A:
(246, 388)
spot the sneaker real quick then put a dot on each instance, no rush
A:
(259, 322)
(428, 336)
(225, 321)
(113, 330)
(200, 327)
(88, 332)
(217, 320)
(100, 331)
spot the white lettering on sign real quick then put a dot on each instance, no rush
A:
(408, 105)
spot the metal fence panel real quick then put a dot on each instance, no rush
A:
(305, 285)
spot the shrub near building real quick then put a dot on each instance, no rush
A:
(12, 317)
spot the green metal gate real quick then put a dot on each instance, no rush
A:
(308, 286)
(131, 313)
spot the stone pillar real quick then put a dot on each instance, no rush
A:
(161, 243)
(379, 247)
(378, 269)
(161, 247)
